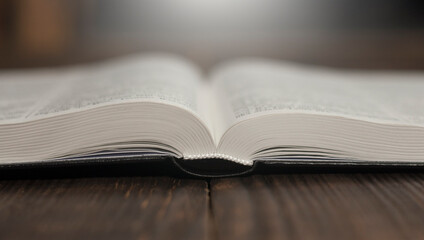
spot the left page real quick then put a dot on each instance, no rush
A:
(137, 104)
(35, 94)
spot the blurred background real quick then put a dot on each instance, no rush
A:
(343, 33)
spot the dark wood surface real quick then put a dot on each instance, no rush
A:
(104, 208)
(318, 206)
(289, 206)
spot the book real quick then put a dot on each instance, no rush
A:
(246, 111)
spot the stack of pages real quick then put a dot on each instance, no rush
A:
(245, 111)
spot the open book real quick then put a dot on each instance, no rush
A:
(245, 111)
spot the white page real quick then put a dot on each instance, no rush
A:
(256, 87)
(160, 78)
(22, 93)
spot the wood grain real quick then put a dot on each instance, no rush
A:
(290, 206)
(319, 206)
(104, 208)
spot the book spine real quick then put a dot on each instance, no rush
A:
(217, 156)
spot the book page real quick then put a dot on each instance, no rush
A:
(39, 94)
(21, 93)
(251, 88)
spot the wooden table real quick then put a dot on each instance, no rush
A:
(289, 206)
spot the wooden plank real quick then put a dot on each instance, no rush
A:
(319, 206)
(104, 208)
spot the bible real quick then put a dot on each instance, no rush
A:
(243, 111)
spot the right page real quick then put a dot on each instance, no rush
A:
(255, 88)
